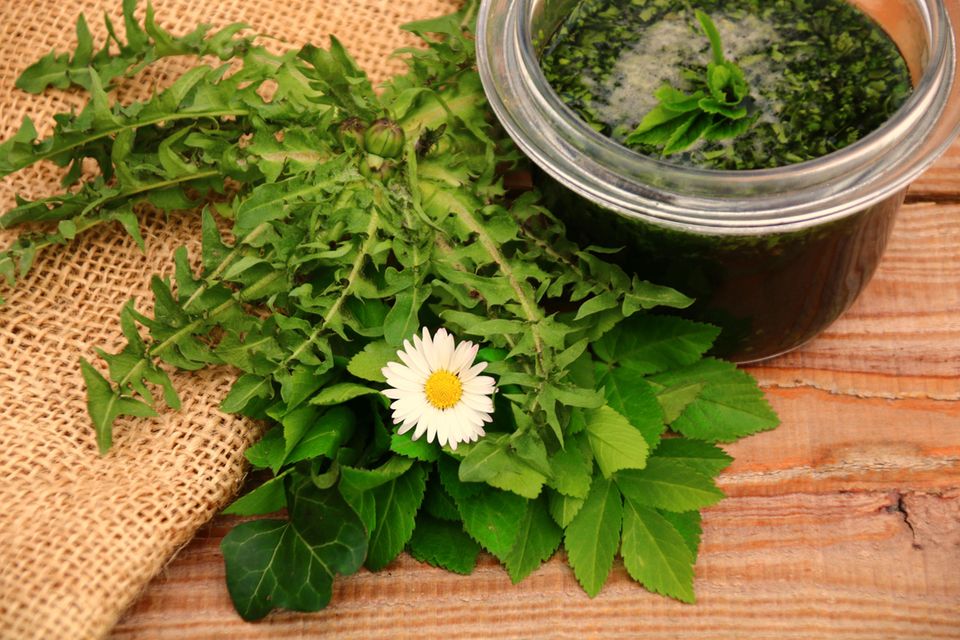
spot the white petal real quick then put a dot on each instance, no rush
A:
(463, 357)
(472, 372)
(397, 370)
(444, 345)
(414, 359)
(480, 384)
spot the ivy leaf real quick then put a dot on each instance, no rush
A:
(538, 539)
(668, 484)
(443, 544)
(655, 554)
(592, 537)
(292, 563)
(729, 406)
(616, 444)
(397, 504)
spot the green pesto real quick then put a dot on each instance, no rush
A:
(821, 73)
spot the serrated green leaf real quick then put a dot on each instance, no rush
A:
(730, 405)
(668, 484)
(324, 436)
(340, 393)
(572, 468)
(492, 461)
(655, 554)
(703, 457)
(537, 540)
(687, 523)
(592, 537)
(444, 544)
(564, 508)
(397, 504)
(490, 516)
(437, 502)
(649, 344)
(367, 364)
(420, 449)
(616, 444)
(628, 394)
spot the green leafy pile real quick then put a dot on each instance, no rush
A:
(714, 111)
(358, 217)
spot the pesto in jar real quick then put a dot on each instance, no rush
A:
(821, 73)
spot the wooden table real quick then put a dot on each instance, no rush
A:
(842, 523)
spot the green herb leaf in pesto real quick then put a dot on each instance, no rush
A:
(716, 112)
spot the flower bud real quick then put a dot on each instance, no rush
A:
(374, 167)
(352, 128)
(384, 138)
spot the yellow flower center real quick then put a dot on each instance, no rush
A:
(443, 389)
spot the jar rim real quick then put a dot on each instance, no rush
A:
(792, 196)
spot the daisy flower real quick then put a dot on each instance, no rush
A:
(439, 390)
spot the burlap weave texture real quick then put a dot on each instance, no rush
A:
(81, 535)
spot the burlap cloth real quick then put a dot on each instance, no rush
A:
(80, 534)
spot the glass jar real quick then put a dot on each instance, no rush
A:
(773, 256)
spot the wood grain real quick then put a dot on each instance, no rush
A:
(843, 523)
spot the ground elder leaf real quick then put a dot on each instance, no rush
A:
(616, 444)
(444, 544)
(655, 554)
(592, 537)
(537, 540)
(668, 484)
(730, 405)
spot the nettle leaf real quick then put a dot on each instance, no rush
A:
(668, 484)
(397, 504)
(572, 468)
(650, 344)
(729, 406)
(494, 461)
(420, 449)
(443, 544)
(655, 553)
(593, 536)
(490, 516)
(616, 444)
(368, 362)
(292, 563)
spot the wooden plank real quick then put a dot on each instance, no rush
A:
(843, 523)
